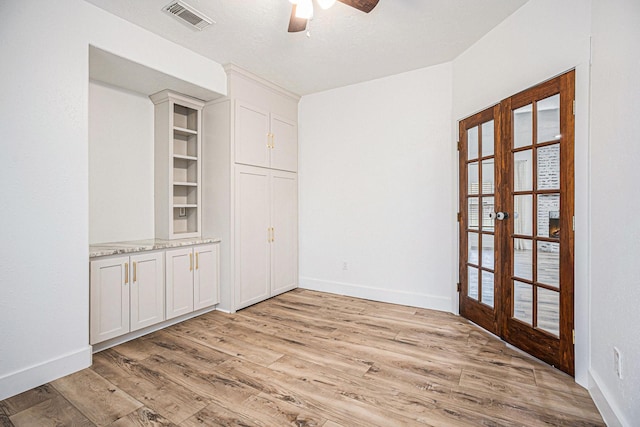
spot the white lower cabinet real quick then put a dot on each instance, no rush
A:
(192, 279)
(127, 294)
(266, 234)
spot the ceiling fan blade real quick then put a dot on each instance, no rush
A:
(363, 5)
(296, 24)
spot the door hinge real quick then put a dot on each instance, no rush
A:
(459, 217)
(459, 145)
(573, 333)
(574, 223)
(459, 287)
(574, 107)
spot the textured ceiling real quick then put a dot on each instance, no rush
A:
(345, 46)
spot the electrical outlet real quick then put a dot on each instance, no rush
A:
(345, 265)
(617, 362)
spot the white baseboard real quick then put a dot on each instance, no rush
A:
(36, 375)
(413, 299)
(602, 398)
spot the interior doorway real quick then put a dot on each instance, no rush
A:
(516, 220)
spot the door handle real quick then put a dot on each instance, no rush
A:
(500, 216)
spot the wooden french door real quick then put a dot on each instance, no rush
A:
(516, 220)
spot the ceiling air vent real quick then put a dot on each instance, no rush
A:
(188, 15)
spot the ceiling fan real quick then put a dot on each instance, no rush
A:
(302, 10)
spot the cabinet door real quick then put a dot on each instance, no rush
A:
(251, 138)
(252, 235)
(179, 282)
(109, 294)
(284, 154)
(284, 220)
(206, 276)
(147, 290)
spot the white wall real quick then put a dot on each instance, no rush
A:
(375, 189)
(540, 40)
(615, 204)
(44, 308)
(120, 165)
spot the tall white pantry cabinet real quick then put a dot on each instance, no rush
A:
(250, 200)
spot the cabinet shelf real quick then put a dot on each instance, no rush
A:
(184, 131)
(186, 184)
(184, 157)
(185, 205)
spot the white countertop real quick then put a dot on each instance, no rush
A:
(117, 248)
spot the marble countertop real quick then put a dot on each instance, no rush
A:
(117, 248)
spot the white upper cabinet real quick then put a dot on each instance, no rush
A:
(252, 135)
(265, 139)
(284, 144)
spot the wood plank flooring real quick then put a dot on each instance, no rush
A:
(310, 359)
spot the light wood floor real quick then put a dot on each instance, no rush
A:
(310, 359)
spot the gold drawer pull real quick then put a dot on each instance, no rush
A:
(126, 273)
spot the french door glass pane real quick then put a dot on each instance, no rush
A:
(487, 288)
(549, 118)
(523, 170)
(522, 126)
(472, 143)
(473, 178)
(549, 167)
(474, 213)
(549, 215)
(549, 311)
(488, 180)
(523, 258)
(522, 219)
(472, 283)
(487, 208)
(473, 248)
(549, 263)
(487, 139)
(523, 302)
(487, 251)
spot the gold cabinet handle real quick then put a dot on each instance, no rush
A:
(126, 273)
(273, 234)
(273, 141)
(135, 272)
(269, 140)
(269, 235)
(197, 257)
(191, 261)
